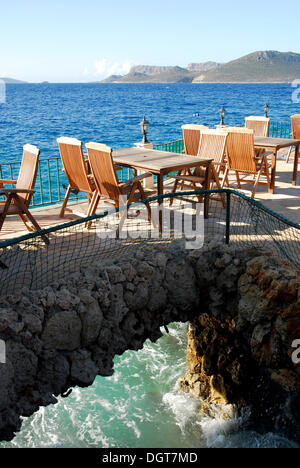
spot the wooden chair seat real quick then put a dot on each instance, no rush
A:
(107, 183)
(76, 168)
(12, 209)
(242, 158)
(18, 199)
(295, 120)
(211, 145)
(127, 190)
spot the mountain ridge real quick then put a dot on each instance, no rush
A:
(257, 67)
(12, 81)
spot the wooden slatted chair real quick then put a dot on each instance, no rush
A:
(295, 119)
(260, 125)
(241, 158)
(18, 199)
(191, 138)
(76, 169)
(107, 183)
(212, 145)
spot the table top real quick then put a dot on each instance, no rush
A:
(269, 142)
(156, 161)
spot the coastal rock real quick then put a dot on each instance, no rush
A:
(243, 308)
(231, 358)
(83, 369)
(62, 331)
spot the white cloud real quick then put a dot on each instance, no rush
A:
(105, 67)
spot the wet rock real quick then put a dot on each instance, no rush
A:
(83, 369)
(91, 318)
(62, 331)
(24, 362)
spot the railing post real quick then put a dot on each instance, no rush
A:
(228, 217)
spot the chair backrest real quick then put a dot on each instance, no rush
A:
(240, 150)
(213, 145)
(296, 126)
(103, 170)
(28, 171)
(191, 137)
(260, 125)
(74, 165)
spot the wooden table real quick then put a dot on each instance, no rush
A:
(274, 145)
(161, 163)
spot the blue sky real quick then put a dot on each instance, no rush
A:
(86, 40)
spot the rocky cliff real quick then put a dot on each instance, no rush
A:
(240, 348)
(244, 313)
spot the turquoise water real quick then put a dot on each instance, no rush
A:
(139, 406)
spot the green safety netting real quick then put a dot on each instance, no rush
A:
(232, 218)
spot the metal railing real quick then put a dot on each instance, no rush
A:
(52, 183)
(280, 129)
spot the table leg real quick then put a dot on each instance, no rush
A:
(160, 191)
(207, 187)
(273, 172)
(295, 165)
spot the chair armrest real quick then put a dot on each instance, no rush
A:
(260, 156)
(10, 190)
(7, 181)
(136, 179)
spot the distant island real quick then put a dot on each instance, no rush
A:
(12, 81)
(259, 67)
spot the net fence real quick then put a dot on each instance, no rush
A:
(42, 258)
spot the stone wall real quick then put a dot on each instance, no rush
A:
(242, 308)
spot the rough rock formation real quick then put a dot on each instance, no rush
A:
(243, 310)
(240, 346)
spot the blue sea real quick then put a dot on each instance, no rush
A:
(110, 113)
(140, 405)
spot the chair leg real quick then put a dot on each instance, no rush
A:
(94, 204)
(24, 210)
(225, 178)
(5, 210)
(268, 175)
(215, 179)
(63, 208)
(256, 183)
(23, 218)
(174, 190)
(93, 207)
(289, 154)
(37, 226)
